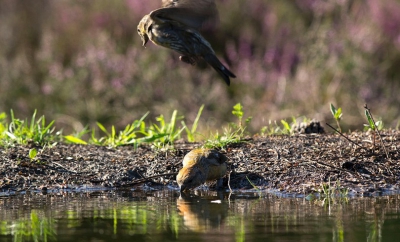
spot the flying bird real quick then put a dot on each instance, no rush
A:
(176, 26)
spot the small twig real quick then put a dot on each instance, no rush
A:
(330, 126)
(377, 130)
(58, 164)
(147, 178)
(229, 181)
(335, 168)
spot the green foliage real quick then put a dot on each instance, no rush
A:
(32, 153)
(222, 141)
(164, 134)
(51, 74)
(34, 228)
(238, 112)
(128, 136)
(74, 140)
(234, 133)
(3, 128)
(21, 131)
(77, 137)
(337, 115)
(273, 128)
(378, 125)
(160, 134)
(286, 127)
(191, 132)
(335, 190)
(254, 186)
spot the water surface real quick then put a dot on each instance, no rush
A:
(204, 216)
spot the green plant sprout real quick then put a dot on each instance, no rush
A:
(273, 128)
(32, 153)
(234, 133)
(331, 191)
(376, 127)
(238, 112)
(77, 137)
(74, 140)
(337, 115)
(286, 127)
(125, 137)
(164, 134)
(191, 132)
(22, 132)
(161, 134)
(3, 128)
(254, 186)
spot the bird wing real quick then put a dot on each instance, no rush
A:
(215, 158)
(192, 13)
(194, 4)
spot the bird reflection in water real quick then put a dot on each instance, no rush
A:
(202, 212)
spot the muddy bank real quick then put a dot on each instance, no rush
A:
(292, 164)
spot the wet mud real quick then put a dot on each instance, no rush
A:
(296, 164)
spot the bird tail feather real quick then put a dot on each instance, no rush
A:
(224, 72)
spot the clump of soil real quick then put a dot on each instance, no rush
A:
(299, 163)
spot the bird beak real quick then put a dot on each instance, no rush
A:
(145, 39)
(182, 188)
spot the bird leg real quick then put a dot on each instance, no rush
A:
(219, 184)
(188, 59)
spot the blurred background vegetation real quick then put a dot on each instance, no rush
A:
(81, 61)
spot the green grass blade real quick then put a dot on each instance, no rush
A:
(75, 140)
(196, 120)
(102, 128)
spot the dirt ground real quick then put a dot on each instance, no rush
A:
(296, 164)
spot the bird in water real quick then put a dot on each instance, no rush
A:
(201, 165)
(176, 26)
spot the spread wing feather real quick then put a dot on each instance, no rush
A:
(192, 13)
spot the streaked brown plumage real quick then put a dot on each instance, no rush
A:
(176, 26)
(201, 165)
(192, 13)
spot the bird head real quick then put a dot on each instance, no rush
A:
(190, 177)
(143, 28)
(189, 183)
(182, 188)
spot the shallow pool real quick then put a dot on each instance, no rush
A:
(200, 216)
